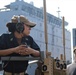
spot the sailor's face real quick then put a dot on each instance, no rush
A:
(26, 30)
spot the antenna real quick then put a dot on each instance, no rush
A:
(63, 29)
(58, 12)
(45, 26)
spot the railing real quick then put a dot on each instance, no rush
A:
(22, 58)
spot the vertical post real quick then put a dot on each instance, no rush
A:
(48, 62)
(63, 27)
(45, 27)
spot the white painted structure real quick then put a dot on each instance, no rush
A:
(54, 24)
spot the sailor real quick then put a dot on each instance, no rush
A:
(71, 68)
(18, 43)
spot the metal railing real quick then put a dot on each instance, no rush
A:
(22, 58)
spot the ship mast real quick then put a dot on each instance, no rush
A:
(58, 12)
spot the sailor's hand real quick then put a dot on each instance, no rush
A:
(26, 51)
(19, 49)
